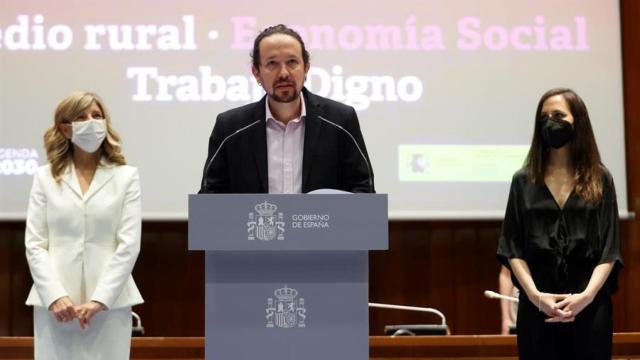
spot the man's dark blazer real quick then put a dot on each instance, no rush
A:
(237, 159)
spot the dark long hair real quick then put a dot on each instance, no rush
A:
(583, 149)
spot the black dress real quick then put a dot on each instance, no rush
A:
(562, 246)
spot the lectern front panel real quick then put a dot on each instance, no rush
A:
(287, 305)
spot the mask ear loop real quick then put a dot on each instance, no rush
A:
(58, 129)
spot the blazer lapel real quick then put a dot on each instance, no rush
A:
(71, 179)
(103, 174)
(312, 128)
(259, 143)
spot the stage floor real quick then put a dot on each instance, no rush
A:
(625, 346)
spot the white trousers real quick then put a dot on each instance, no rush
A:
(108, 336)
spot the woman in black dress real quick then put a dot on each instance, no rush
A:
(560, 237)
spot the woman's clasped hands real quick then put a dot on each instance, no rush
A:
(561, 307)
(64, 311)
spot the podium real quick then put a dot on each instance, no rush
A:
(287, 275)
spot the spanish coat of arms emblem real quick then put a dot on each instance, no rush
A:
(265, 224)
(285, 311)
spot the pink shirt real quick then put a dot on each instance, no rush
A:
(285, 145)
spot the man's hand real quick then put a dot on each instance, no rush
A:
(505, 327)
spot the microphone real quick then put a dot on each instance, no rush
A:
(443, 319)
(357, 146)
(432, 329)
(138, 329)
(494, 295)
(215, 154)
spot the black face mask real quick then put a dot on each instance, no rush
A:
(555, 132)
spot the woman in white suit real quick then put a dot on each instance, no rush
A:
(83, 237)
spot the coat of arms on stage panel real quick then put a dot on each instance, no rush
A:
(264, 224)
(285, 311)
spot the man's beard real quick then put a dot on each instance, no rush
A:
(288, 95)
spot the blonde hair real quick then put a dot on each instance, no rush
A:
(58, 147)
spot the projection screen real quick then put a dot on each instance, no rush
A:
(445, 91)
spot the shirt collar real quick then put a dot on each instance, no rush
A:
(303, 111)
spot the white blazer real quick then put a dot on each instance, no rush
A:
(84, 246)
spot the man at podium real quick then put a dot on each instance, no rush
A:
(291, 141)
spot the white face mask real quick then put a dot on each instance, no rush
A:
(88, 135)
